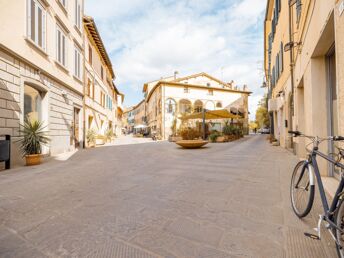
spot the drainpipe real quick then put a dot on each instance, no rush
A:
(291, 54)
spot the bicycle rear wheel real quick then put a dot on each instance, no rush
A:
(301, 192)
(339, 220)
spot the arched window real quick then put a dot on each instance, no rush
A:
(210, 105)
(171, 106)
(198, 106)
(184, 106)
(219, 105)
(32, 103)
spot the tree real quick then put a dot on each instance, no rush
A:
(262, 117)
(253, 125)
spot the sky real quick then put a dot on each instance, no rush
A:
(150, 39)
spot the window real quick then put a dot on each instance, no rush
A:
(32, 103)
(281, 58)
(170, 106)
(61, 46)
(208, 84)
(298, 6)
(186, 89)
(89, 88)
(102, 72)
(185, 106)
(64, 3)
(198, 106)
(77, 62)
(102, 99)
(90, 54)
(219, 105)
(36, 23)
(77, 14)
(210, 92)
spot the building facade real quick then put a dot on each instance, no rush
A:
(168, 99)
(100, 91)
(41, 70)
(43, 75)
(314, 52)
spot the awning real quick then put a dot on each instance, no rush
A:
(212, 114)
(140, 126)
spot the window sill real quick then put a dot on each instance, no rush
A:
(64, 68)
(40, 49)
(77, 79)
(63, 8)
(78, 30)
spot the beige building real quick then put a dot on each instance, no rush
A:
(41, 69)
(128, 120)
(169, 98)
(100, 91)
(308, 95)
(139, 114)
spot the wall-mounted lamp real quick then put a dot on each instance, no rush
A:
(290, 45)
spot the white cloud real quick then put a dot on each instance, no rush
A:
(147, 39)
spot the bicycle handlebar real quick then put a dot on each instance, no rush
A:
(333, 138)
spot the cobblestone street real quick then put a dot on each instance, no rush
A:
(157, 200)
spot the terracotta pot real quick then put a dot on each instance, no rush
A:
(32, 160)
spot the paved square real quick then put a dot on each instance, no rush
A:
(156, 200)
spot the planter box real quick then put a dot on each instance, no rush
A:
(175, 138)
(221, 139)
(191, 144)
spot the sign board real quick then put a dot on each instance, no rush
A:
(341, 8)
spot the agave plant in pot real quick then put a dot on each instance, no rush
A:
(34, 137)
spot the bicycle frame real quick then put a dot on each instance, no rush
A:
(329, 211)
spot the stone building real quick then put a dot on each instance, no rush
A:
(308, 93)
(41, 69)
(43, 74)
(169, 98)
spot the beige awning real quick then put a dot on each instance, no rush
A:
(212, 114)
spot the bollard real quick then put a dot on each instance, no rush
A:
(5, 151)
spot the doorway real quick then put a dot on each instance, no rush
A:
(332, 104)
(76, 127)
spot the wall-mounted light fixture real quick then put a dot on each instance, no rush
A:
(290, 45)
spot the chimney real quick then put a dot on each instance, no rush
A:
(175, 74)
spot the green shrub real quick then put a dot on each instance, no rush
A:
(213, 136)
(189, 133)
(34, 136)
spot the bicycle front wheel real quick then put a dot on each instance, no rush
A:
(301, 191)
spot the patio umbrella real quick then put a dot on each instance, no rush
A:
(140, 126)
(211, 114)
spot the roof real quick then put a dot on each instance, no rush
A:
(176, 82)
(92, 30)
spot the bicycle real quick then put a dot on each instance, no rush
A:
(302, 189)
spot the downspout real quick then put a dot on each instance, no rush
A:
(291, 54)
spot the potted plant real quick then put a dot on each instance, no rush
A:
(91, 138)
(33, 138)
(109, 135)
(191, 138)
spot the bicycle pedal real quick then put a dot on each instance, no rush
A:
(315, 237)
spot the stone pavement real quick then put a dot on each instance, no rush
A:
(157, 200)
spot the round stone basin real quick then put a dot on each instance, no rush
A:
(191, 144)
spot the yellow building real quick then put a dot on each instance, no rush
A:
(101, 95)
(307, 94)
(169, 98)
